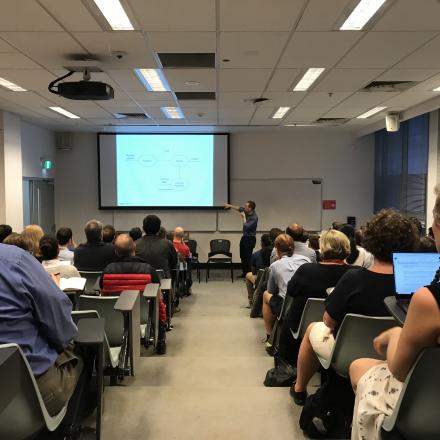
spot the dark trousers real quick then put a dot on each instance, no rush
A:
(247, 244)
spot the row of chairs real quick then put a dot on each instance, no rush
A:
(415, 415)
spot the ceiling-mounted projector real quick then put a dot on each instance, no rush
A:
(85, 90)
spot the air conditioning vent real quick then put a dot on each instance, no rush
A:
(332, 121)
(187, 60)
(182, 96)
(389, 86)
(130, 115)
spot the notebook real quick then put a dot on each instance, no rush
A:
(412, 271)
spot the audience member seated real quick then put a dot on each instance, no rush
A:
(378, 384)
(39, 321)
(33, 234)
(281, 271)
(5, 230)
(184, 254)
(273, 233)
(158, 252)
(312, 281)
(164, 234)
(108, 234)
(417, 224)
(360, 291)
(313, 243)
(65, 241)
(19, 241)
(259, 260)
(94, 255)
(135, 233)
(49, 251)
(427, 245)
(358, 255)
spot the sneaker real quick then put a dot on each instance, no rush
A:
(299, 397)
(270, 349)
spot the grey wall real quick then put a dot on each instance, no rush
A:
(345, 164)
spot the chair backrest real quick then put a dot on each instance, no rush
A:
(220, 246)
(416, 413)
(257, 300)
(312, 312)
(192, 244)
(355, 340)
(22, 410)
(105, 306)
(91, 278)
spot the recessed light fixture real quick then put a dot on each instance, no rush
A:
(308, 79)
(11, 86)
(192, 83)
(64, 112)
(153, 79)
(437, 89)
(172, 112)
(371, 112)
(280, 113)
(115, 15)
(361, 14)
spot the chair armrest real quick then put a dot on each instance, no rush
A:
(151, 290)
(165, 284)
(90, 331)
(126, 300)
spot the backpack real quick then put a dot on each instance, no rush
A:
(282, 375)
(328, 413)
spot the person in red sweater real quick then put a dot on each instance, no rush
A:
(184, 254)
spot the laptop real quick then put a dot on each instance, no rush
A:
(412, 271)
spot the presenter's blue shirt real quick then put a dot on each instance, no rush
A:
(34, 312)
(250, 225)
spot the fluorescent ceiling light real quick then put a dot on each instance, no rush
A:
(11, 86)
(361, 15)
(437, 89)
(371, 112)
(308, 79)
(280, 113)
(153, 79)
(114, 13)
(64, 112)
(172, 112)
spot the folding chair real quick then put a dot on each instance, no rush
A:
(313, 312)
(416, 415)
(92, 278)
(257, 301)
(192, 244)
(219, 247)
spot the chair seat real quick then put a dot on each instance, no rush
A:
(219, 260)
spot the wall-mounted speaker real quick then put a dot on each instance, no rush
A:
(392, 121)
(64, 141)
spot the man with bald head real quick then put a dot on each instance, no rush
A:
(184, 254)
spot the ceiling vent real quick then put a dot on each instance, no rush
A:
(331, 122)
(187, 60)
(185, 96)
(130, 115)
(388, 86)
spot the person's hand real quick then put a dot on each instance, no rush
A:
(243, 216)
(381, 342)
(227, 206)
(56, 278)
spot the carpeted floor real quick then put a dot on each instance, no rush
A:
(209, 385)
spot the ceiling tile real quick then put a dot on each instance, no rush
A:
(303, 115)
(345, 112)
(207, 105)
(258, 15)
(239, 80)
(26, 99)
(425, 57)
(317, 49)
(182, 42)
(36, 80)
(6, 48)
(283, 79)
(406, 15)
(346, 80)
(407, 75)
(25, 15)
(237, 99)
(72, 15)
(368, 99)
(175, 15)
(49, 48)
(105, 44)
(145, 96)
(408, 99)
(178, 77)
(16, 61)
(251, 49)
(234, 116)
(127, 80)
(263, 116)
(322, 15)
(283, 99)
(323, 100)
(384, 49)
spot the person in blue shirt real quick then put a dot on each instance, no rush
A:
(248, 240)
(36, 315)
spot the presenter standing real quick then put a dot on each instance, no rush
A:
(248, 240)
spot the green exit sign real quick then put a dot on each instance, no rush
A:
(47, 164)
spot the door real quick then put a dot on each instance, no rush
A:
(39, 203)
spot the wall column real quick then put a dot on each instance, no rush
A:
(11, 192)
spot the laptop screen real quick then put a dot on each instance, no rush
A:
(413, 270)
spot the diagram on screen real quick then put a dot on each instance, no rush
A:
(165, 171)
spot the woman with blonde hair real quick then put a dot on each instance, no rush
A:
(34, 233)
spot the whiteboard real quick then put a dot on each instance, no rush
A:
(279, 202)
(195, 221)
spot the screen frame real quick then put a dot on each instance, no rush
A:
(165, 208)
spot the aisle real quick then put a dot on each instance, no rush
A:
(209, 384)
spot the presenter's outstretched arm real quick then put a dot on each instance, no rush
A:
(228, 206)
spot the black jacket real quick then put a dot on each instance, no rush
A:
(158, 252)
(93, 256)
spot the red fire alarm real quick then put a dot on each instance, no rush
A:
(329, 204)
